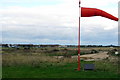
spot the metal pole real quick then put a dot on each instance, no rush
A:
(79, 40)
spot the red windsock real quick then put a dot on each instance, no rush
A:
(88, 12)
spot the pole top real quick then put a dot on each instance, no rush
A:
(79, 2)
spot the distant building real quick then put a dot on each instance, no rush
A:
(71, 45)
(5, 45)
(50, 45)
(36, 46)
(64, 46)
(25, 45)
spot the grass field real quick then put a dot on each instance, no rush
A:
(61, 71)
(36, 63)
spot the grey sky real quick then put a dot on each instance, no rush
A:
(56, 21)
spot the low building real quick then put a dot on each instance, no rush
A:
(56, 45)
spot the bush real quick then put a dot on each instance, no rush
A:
(56, 50)
(94, 51)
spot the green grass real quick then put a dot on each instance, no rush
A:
(0, 72)
(55, 71)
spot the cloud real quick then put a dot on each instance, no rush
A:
(100, 4)
(39, 24)
(56, 23)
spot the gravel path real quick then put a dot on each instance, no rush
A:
(91, 57)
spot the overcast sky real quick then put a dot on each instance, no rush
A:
(56, 22)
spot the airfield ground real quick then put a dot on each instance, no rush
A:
(47, 63)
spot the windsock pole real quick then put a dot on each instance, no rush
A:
(79, 40)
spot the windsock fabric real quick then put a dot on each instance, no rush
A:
(88, 12)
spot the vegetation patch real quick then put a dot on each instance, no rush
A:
(41, 63)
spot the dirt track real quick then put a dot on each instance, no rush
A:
(97, 56)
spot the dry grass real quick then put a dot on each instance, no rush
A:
(39, 58)
(106, 65)
(32, 60)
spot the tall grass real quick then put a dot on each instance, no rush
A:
(45, 57)
(33, 60)
(106, 66)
